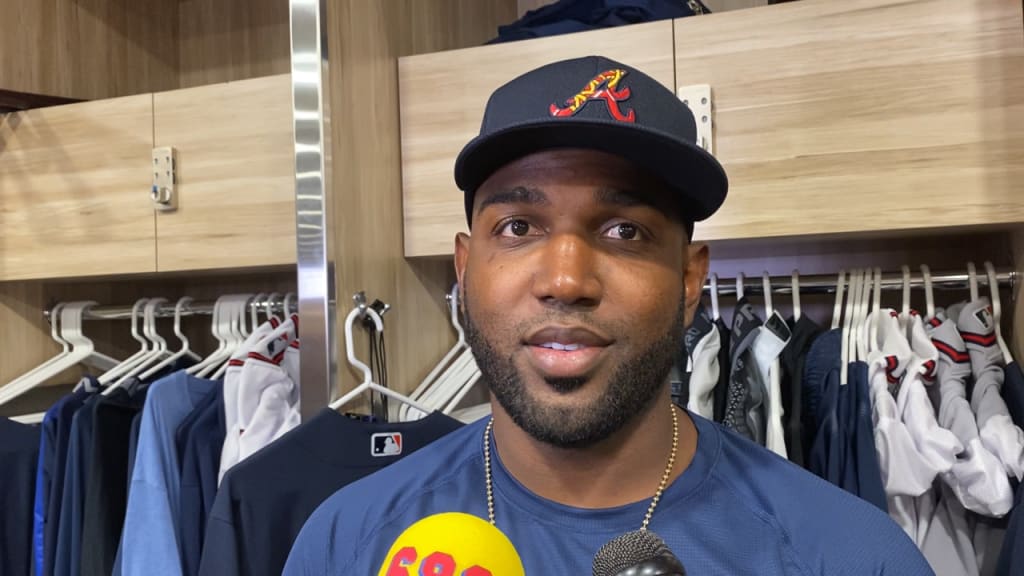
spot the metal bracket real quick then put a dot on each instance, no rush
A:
(164, 179)
(698, 98)
(381, 308)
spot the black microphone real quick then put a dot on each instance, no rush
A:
(637, 553)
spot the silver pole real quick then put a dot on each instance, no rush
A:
(200, 308)
(311, 109)
(826, 283)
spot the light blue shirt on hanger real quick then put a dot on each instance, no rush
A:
(149, 540)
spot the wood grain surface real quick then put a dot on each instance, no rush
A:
(867, 115)
(236, 175)
(74, 192)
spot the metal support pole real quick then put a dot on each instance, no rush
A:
(891, 281)
(311, 110)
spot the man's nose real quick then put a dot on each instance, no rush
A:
(567, 273)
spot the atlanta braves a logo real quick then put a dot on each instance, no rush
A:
(604, 86)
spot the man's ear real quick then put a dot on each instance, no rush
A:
(696, 274)
(461, 258)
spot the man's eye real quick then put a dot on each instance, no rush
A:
(516, 228)
(624, 231)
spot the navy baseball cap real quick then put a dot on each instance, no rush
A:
(598, 104)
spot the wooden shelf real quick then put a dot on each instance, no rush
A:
(863, 116)
(866, 116)
(74, 197)
(236, 175)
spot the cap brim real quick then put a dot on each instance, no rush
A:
(687, 169)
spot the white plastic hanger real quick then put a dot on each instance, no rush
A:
(288, 329)
(873, 336)
(451, 367)
(837, 310)
(929, 296)
(368, 384)
(156, 351)
(740, 279)
(287, 305)
(796, 294)
(766, 286)
(251, 342)
(858, 309)
(268, 306)
(34, 418)
(215, 325)
(450, 384)
(183, 352)
(905, 309)
(116, 372)
(865, 312)
(81, 349)
(715, 314)
(254, 311)
(858, 306)
(55, 334)
(847, 323)
(473, 379)
(972, 281)
(857, 294)
(993, 286)
(232, 315)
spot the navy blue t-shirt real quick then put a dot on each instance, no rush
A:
(1013, 392)
(201, 438)
(1011, 557)
(107, 484)
(264, 501)
(63, 421)
(736, 509)
(72, 508)
(19, 453)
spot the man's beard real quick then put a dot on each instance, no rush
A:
(632, 388)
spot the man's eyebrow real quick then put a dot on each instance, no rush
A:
(618, 197)
(517, 195)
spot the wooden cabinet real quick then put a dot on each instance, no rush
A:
(75, 181)
(236, 175)
(74, 190)
(442, 102)
(862, 116)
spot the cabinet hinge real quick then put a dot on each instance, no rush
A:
(164, 179)
(698, 98)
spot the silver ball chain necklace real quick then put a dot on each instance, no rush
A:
(654, 501)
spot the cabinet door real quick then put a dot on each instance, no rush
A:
(235, 175)
(862, 115)
(442, 99)
(74, 190)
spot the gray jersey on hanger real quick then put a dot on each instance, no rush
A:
(746, 395)
(997, 430)
(977, 478)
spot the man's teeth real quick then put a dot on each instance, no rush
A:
(565, 347)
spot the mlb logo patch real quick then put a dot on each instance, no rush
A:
(985, 317)
(386, 444)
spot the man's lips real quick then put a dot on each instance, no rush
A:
(565, 351)
(562, 336)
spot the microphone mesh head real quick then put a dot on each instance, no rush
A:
(628, 550)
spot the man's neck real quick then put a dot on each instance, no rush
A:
(623, 469)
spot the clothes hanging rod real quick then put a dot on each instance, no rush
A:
(891, 281)
(166, 310)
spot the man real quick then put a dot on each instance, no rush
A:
(577, 281)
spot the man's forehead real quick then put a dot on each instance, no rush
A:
(607, 178)
(543, 196)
